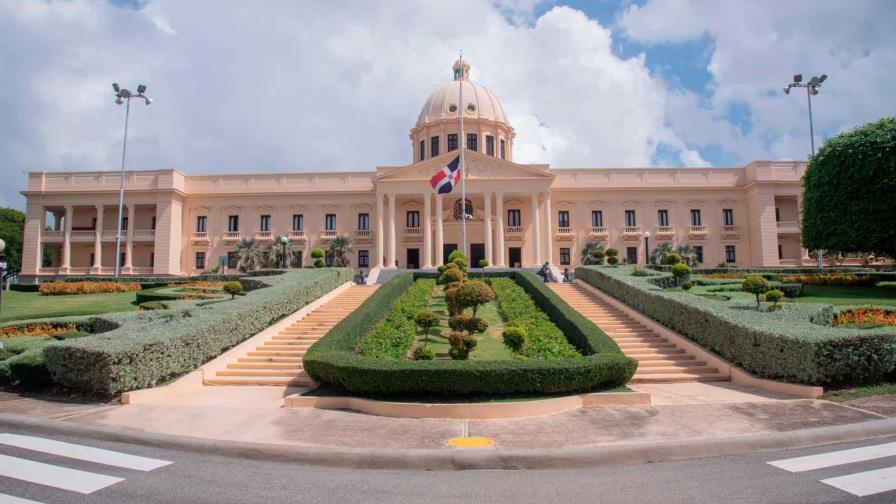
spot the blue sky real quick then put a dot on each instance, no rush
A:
(304, 86)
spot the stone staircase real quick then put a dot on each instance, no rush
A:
(659, 360)
(278, 361)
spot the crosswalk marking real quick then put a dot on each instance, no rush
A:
(85, 453)
(9, 499)
(831, 459)
(59, 477)
(865, 483)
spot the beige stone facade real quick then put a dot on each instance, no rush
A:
(522, 214)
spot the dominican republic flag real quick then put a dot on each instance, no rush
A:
(445, 179)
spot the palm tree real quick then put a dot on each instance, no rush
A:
(588, 252)
(657, 255)
(250, 255)
(274, 254)
(340, 247)
(688, 255)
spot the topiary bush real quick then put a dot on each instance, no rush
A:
(756, 285)
(681, 271)
(460, 345)
(451, 276)
(233, 288)
(514, 338)
(424, 353)
(473, 294)
(639, 271)
(426, 320)
(774, 296)
(483, 263)
(394, 335)
(671, 259)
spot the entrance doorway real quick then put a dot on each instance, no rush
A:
(447, 249)
(413, 259)
(477, 253)
(516, 257)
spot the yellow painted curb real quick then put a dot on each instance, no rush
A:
(471, 442)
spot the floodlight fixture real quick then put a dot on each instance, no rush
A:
(798, 78)
(116, 87)
(823, 78)
(786, 89)
(141, 88)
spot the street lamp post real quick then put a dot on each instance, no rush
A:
(646, 248)
(2, 270)
(283, 241)
(123, 96)
(811, 90)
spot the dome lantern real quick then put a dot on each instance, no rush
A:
(461, 70)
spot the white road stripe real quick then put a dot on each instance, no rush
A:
(865, 483)
(9, 499)
(85, 453)
(54, 476)
(831, 459)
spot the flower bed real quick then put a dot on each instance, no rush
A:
(865, 316)
(38, 329)
(844, 279)
(335, 359)
(65, 288)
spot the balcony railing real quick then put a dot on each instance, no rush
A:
(329, 234)
(52, 235)
(79, 271)
(697, 230)
(83, 235)
(730, 232)
(631, 233)
(363, 234)
(144, 234)
(48, 271)
(142, 270)
(232, 235)
(565, 233)
(664, 231)
(200, 236)
(264, 235)
(296, 235)
(788, 226)
(513, 231)
(598, 232)
(109, 234)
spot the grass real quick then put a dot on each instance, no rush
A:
(842, 395)
(31, 305)
(884, 294)
(490, 346)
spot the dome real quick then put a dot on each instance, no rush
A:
(479, 101)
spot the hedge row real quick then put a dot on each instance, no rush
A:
(544, 340)
(150, 347)
(795, 343)
(394, 336)
(333, 359)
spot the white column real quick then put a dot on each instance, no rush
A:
(549, 237)
(380, 252)
(427, 230)
(98, 239)
(440, 237)
(499, 214)
(536, 230)
(488, 229)
(129, 250)
(390, 258)
(67, 239)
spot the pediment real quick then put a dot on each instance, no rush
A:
(479, 166)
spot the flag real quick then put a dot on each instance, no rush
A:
(445, 179)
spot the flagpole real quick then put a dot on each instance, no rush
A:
(463, 168)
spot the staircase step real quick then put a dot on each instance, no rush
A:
(296, 360)
(264, 365)
(676, 378)
(291, 373)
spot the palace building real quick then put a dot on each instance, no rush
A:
(523, 215)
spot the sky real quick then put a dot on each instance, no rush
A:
(280, 85)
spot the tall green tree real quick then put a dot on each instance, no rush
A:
(849, 199)
(340, 247)
(588, 252)
(273, 254)
(250, 254)
(657, 254)
(12, 230)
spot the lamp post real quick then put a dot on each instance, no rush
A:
(646, 247)
(123, 96)
(2, 269)
(283, 241)
(811, 90)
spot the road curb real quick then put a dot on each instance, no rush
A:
(460, 459)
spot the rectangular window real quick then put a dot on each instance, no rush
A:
(434, 146)
(124, 224)
(200, 260)
(363, 222)
(695, 218)
(452, 142)
(777, 214)
(503, 150)
(597, 218)
(233, 223)
(201, 223)
(93, 227)
(563, 218)
(297, 259)
(152, 259)
(564, 256)
(631, 255)
(662, 217)
(513, 218)
(422, 150)
(630, 220)
(265, 224)
(233, 258)
(490, 145)
(413, 219)
(363, 259)
(298, 222)
(728, 216)
(152, 223)
(472, 143)
(698, 253)
(121, 258)
(330, 222)
(730, 256)
(780, 252)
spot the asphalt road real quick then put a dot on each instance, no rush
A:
(197, 478)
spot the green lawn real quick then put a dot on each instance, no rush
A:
(848, 394)
(490, 346)
(31, 305)
(884, 294)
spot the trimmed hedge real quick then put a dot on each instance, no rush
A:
(394, 335)
(795, 343)
(150, 347)
(544, 339)
(334, 358)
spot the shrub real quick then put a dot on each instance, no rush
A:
(756, 285)
(29, 368)
(320, 263)
(639, 271)
(681, 270)
(474, 294)
(459, 322)
(233, 288)
(65, 288)
(394, 335)
(774, 296)
(842, 279)
(451, 275)
(544, 339)
(866, 316)
(483, 263)
(454, 307)
(441, 268)
(460, 345)
(426, 320)
(43, 329)
(612, 260)
(456, 254)
(461, 263)
(424, 353)
(317, 253)
(687, 285)
(599, 255)
(611, 252)
(514, 338)
(476, 325)
(671, 259)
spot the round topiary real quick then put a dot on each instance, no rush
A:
(671, 258)
(612, 260)
(474, 294)
(461, 263)
(450, 276)
(483, 263)
(424, 353)
(319, 263)
(774, 296)
(441, 268)
(611, 252)
(426, 320)
(454, 307)
(599, 255)
(233, 288)
(755, 284)
(687, 285)
(681, 270)
(476, 325)
(317, 253)
(461, 345)
(514, 338)
(459, 322)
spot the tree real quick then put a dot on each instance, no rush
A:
(12, 230)
(659, 253)
(233, 288)
(318, 256)
(340, 247)
(773, 297)
(681, 270)
(672, 258)
(848, 202)
(474, 294)
(426, 320)
(756, 285)
(612, 258)
(274, 254)
(588, 252)
(250, 255)
(688, 254)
